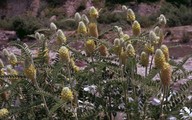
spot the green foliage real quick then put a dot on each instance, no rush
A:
(104, 87)
(176, 16)
(25, 25)
(180, 2)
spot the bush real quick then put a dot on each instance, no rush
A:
(180, 2)
(176, 16)
(25, 25)
(5, 24)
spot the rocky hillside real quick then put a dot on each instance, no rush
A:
(10, 8)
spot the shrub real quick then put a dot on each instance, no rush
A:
(25, 25)
(176, 16)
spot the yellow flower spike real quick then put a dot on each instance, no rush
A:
(144, 59)
(72, 63)
(162, 20)
(153, 37)
(85, 19)
(130, 15)
(136, 28)
(165, 51)
(53, 27)
(159, 59)
(82, 29)
(64, 54)
(148, 48)
(165, 74)
(92, 30)
(117, 50)
(12, 59)
(93, 12)
(90, 47)
(130, 50)
(61, 38)
(76, 68)
(1, 64)
(5, 53)
(123, 57)
(126, 37)
(3, 112)
(77, 17)
(30, 72)
(103, 50)
(66, 94)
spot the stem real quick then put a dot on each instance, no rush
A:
(151, 63)
(43, 98)
(125, 92)
(146, 71)
(92, 63)
(162, 102)
(71, 85)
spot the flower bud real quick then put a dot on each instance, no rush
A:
(64, 54)
(136, 28)
(37, 35)
(77, 17)
(92, 30)
(76, 68)
(103, 50)
(85, 19)
(5, 53)
(1, 64)
(157, 30)
(42, 37)
(130, 15)
(82, 29)
(12, 59)
(66, 94)
(90, 47)
(117, 42)
(12, 71)
(165, 51)
(124, 8)
(93, 12)
(53, 27)
(126, 37)
(61, 38)
(166, 74)
(159, 59)
(144, 59)
(162, 20)
(153, 37)
(148, 48)
(130, 50)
